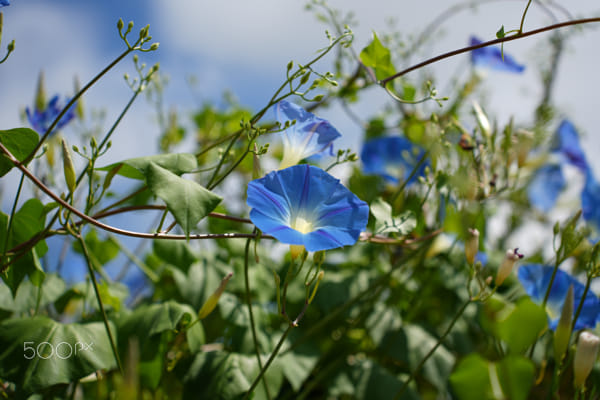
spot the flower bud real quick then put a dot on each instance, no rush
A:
(154, 46)
(524, 143)
(472, 245)
(40, 94)
(256, 169)
(512, 256)
(79, 109)
(212, 301)
(68, 167)
(482, 120)
(120, 24)
(563, 329)
(585, 357)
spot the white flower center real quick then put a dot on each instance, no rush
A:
(302, 225)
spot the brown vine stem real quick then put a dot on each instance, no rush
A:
(453, 53)
(110, 228)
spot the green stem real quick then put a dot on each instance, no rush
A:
(269, 361)
(74, 100)
(12, 215)
(430, 353)
(523, 17)
(405, 182)
(249, 302)
(580, 306)
(453, 53)
(100, 305)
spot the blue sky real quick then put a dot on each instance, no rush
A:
(244, 47)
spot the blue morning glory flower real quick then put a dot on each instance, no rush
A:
(568, 145)
(304, 205)
(392, 157)
(41, 120)
(491, 57)
(590, 199)
(4, 3)
(535, 278)
(310, 134)
(545, 187)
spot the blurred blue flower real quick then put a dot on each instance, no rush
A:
(492, 57)
(304, 205)
(4, 3)
(590, 199)
(310, 134)
(568, 145)
(545, 187)
(393, 157)
(41, 120)
(535, 278)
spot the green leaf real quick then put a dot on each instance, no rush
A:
(26, 298)
(522, 325)
(516, 375)
(221, 375)
(38, 352)
(500, 34)
(101, 251)
(297, 367)
(437, 369)
(198, 283)
(136, 168)
(113, 294)
(187, 200)
(29, 220)
(151, 325)
(384, 319)
(20, 142)
(365, 379)
(377, 56)
(403, 224)
(471, 379)
(175, 253)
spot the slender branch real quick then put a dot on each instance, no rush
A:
(251, 314)
(523, 17)
(74, 100)
(433, 349)
(100, 305)
(580, 306)
(453, 53)
(110, 228)
(269, 361)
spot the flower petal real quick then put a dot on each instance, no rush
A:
(493, 58)
(331, 215)
(545, 187)
(535, 278)
(393, 158)
(568, 145)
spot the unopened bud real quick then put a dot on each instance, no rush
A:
(120, 24)
(318, 97)
(524, 143)
(256, 169)
(585, 357)
(290, 65)
(482, 120)
(319, 257)
(68, 167)
(472, 245)
(305, 78)
(212, 301)
(319, 279)
(511, 258)
(154, 46)
(563, 329)
(40, 94)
